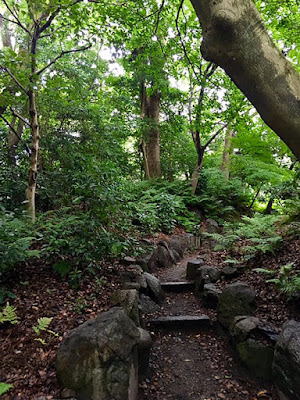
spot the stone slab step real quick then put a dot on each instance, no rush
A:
(185, 322)
(178, 287)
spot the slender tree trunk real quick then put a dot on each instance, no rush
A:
(269, 207)
(227, 153)
(235, 38)
(255, 197)
(150, 107)
(33, 172)
(197, 171)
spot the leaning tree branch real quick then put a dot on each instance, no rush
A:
(61, 55)
(16, 114)
(11, 127)
(214, 136)
(158, 16)
(182, 42)
(15, 16)
(14, 78)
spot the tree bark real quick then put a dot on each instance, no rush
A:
(197, 170)
(33, 172)
(269, 207)
(235, 38)
(150, 107)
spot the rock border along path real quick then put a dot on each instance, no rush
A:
(189, 360)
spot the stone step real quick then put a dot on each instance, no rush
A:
(178, 287)
(184, 322)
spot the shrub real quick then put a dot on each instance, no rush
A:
(251, 235)
(16, 238)
(220, 197)
(157, 206)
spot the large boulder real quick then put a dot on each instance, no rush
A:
(128, 299)
(242, 327)
(146, 305)
(154, 288)
(236, 299)
(144, 348)
(211, 295)
(258, 357)
(212, 226)
(177, 245)
(205, 274)
(286, 365)
(99, 361)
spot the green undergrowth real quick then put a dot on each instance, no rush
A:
(251, 235)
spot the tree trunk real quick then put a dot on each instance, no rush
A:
(196, 174)
(235, 38)
(150, 107)
(30, 191)
(227, 153)
(269, 207)
(255, 197)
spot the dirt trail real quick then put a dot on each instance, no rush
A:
(196, 365)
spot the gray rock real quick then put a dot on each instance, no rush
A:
(177, 245)
(146, 305)
(131, 285)
(128, 299)
(229, 272)
(211, 294)
(144, 349)
(131, 273)
(154, 288)
(258, 358)
(236, 299)
(176, 255)
(164, 244)
(212, 226)
(286, 366)
(205, 274)
(165, 258)
(129, 260)
(98, 360)
(242, 327)
(192, 267)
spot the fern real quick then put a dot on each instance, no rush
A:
(9, 315)
(287, 280)
(43, 324)
(5, 387)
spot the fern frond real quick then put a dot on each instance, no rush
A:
(43, 324)
(5, 387)
(9, 314)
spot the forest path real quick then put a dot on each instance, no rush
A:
(195, 364)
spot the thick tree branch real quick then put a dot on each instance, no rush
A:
(14, 78)
(214, 136)
(235, 38)
(61, 55)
